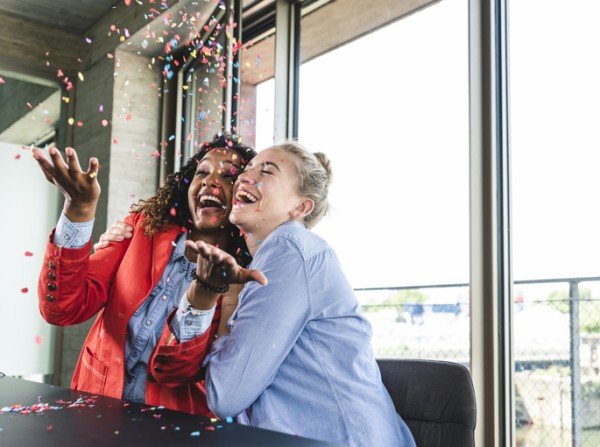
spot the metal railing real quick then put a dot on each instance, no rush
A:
(439, 329)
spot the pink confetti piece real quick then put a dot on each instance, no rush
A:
(127, 2)
(17, 156)
(28, 253)
(104, 123)
(24, 290)
(2, 81)
(39, 339)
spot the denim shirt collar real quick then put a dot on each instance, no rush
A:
(178, 254)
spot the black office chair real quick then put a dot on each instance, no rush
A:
(436, 400)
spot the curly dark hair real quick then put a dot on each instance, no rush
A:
(170, 204)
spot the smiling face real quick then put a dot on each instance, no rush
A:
(211, 190)
(267, 195)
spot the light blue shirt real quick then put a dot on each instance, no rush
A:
(147, 323)
(298, 358)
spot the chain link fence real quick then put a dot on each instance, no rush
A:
(556, 333)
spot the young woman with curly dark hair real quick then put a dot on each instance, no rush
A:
(139, 286)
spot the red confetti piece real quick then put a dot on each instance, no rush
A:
(28, 253)
(17, 156)
(24, 290)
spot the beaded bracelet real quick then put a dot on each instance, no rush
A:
(206, 286)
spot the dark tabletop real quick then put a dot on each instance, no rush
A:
(34, 414)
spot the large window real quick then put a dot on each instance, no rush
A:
(554, 145)
(390, 109)
(415, 221)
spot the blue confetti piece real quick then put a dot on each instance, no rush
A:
(195, 433)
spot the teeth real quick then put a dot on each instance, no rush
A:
(204, 199)
(244, 196)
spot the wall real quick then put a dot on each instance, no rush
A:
(30, 208)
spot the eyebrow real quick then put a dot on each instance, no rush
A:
(222, 163)
(269, 163)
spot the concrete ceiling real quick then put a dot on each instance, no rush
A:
(72, 16)
(78, 16)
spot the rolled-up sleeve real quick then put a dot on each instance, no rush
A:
(72, 234)
(189, 323)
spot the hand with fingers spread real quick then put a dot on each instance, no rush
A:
(218, 268)
(80, 188)
(117, 233)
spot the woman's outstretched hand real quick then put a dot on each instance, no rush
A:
(219, 268)
(80, 188)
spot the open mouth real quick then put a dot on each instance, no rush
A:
(209, 201)
(245, 197)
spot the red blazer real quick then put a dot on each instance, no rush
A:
(113, 282)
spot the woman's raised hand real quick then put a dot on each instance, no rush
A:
(118, 232)
(80, 188)
(219, 268)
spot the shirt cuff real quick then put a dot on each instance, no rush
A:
(72, 234)
(188, 322)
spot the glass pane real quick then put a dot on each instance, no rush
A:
(204, 88)
(390, 109)
(257, 112)
(554, 114)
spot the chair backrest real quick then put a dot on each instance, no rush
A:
(436, 399)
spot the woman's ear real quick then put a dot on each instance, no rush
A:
(303, 208)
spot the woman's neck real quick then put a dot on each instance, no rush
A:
(256, 235)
